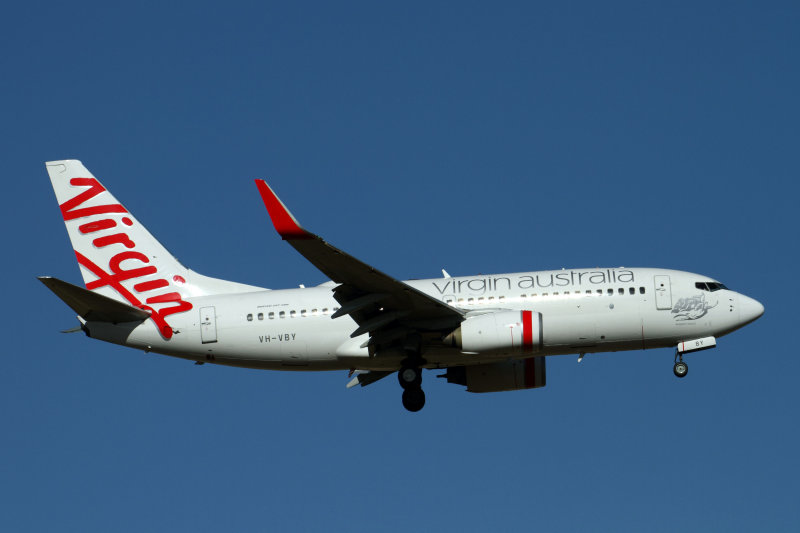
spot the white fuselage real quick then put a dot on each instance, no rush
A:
(582, 310)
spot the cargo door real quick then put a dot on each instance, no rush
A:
(208, 324)
(663, 292)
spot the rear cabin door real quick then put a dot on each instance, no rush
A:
(663, 292)
(208, 324)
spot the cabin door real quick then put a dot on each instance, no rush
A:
(663, 292)
(208, 324)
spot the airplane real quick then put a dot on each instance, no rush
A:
(490, 333)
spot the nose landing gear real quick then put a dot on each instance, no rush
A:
(680, 369)
(695, 345)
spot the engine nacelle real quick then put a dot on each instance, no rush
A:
(497, 377)
(503, 331)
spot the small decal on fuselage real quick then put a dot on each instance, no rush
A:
(283, 337)
(692, 308)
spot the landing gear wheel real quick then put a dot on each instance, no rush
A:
(413, 399)
(410, 378)
(680, 369)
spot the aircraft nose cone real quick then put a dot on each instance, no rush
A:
(749, 309)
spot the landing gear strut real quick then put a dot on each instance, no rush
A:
(410, 378)
(680, 369)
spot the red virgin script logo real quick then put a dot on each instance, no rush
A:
(117, 273)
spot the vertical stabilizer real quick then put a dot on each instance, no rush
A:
(118, 257)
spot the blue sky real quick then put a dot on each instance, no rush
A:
(472, 136)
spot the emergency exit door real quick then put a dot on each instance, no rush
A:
(208, 324)
(663, 292)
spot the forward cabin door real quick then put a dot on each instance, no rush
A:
(663, 292)
(208, 324)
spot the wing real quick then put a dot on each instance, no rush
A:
(386, 308)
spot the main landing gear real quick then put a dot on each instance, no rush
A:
(410, 378)
(680, 369)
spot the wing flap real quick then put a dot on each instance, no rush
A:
(92, 306)
(366, 377)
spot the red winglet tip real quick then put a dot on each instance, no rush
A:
(285, 224)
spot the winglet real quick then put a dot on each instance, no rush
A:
(285, 223)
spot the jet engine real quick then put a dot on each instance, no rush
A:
(501, 331)
(515, 374)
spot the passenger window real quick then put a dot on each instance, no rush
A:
(480, 299)
(261, 316)
(632, 290)
(324, 310)
(588, 291)
(249, 317)
(555, 294)
(282, 314)
(544, 294)
(491, 298)
(461, 300)
(599, 292)
(271, 315)
(501, 297)
(641, 290)
(315, 312)
(292, 313)
(621, 291)
(335, 309)
(303, 312)
(470, 301)
(610, 292)
(566, 292)
(449, 301)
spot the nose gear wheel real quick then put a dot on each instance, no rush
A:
(680, 369)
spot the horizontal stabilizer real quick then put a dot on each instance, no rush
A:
(92, 306)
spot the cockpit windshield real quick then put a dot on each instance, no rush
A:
(710, 286)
